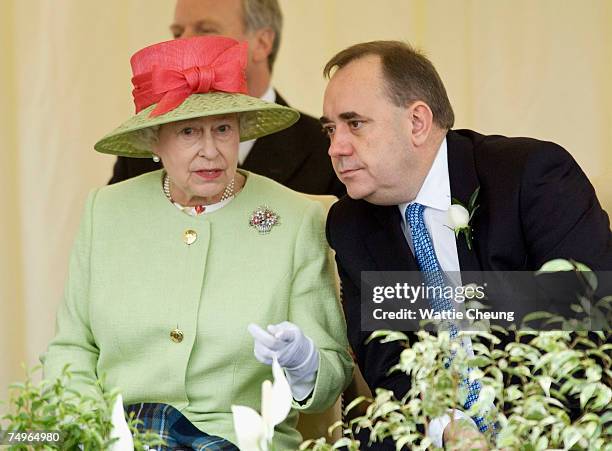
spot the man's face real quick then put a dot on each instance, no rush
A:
(208, 17)
(370, 144)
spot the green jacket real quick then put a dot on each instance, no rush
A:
(133, 279)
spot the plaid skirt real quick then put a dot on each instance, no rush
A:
(175, 429)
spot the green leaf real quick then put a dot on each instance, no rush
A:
(603, 397)
(335, 425)
(473, 198)
(590, 428)
(355, 402)
(587, 393)
(554, 402)
(394, 336)
(520, 370)
(404, 440)
(585, 342)
(602, 355)
(555, 265)
(513, 393)
(456, 201)
(542, 443)
(545, 382)
(570, 437)
(345, 441)
(479, 361)
(387, 336)
(473, 211)
(477, 305)
(534, 316)
(489, 336)
(576, 308)
(588, 276)
(480, 349)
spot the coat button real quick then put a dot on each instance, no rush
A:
(189, 236)
(176, 335)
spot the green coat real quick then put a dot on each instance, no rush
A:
(133, 279)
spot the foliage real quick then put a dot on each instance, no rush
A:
(588, 314)
(550, 390)
(83, 421)
(543, 390)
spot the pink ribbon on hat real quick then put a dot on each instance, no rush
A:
(170, 86)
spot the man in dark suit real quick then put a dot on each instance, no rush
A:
(297, 156)
(389, 120)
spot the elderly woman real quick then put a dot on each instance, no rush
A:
(184, 283)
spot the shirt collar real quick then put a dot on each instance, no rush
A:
(435, 192)
(269, 95)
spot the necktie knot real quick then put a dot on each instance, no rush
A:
(414, 216)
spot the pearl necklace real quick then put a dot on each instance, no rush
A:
(227, 193)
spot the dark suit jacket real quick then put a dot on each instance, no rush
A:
(536, 204)
(295, 157)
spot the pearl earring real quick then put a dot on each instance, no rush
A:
(156, 158)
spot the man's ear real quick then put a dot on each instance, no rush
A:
(421, 121)
(261, 44)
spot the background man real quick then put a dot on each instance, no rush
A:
(389, 119)
(295, 157)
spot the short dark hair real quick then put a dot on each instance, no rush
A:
(261, 14)
(409, 76)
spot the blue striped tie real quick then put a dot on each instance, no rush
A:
(432, 274)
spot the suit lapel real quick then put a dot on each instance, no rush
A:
(463, 182)
(386, 242)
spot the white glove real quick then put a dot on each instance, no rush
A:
(295, 352)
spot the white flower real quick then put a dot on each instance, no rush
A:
(458, 217)
(253, 431)
(120, 428)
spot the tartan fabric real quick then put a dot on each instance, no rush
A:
(432, 273)
(175, 429)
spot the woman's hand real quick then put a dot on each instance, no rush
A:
(285, 341)
(295, 352)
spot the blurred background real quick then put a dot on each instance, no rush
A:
(539, 68)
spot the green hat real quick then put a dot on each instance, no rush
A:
(190, 78)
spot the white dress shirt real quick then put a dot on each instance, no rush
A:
(246, 146)
(435, 196)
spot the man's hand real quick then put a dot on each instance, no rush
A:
(460, 435)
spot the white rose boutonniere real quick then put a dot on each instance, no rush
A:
(459, 217)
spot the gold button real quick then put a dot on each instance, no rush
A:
(176, 335)
(190, 236)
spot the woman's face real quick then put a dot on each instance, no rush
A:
(200, 156)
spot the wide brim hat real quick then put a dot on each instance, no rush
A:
(191, 78)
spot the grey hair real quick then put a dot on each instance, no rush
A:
(264, 14)
(409, 76)
(147, 137)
